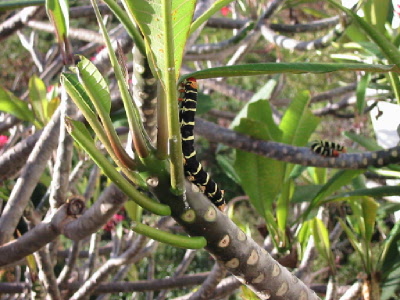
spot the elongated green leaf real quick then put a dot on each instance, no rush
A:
(391, 250)
(340, 179)
(258, 114)
(58, 12)
(152, 19)
(83, 138)
(215, 7)
(305, 193)
(376, 192)
(321, 239)
(298, 122)
(367, 215)
(376, 12)
(14, 106)
(109, 138)
(77, 91)
(37, 96)
(141, 141)
(303, 235)
(366, 142)
(260, 177)
(360, 93)
(354, 241)
(227, 166)
(318, 174)
(94, 83)
(278, 68)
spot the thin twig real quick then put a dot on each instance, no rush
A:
(209, 285)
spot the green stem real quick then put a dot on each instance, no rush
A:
(395, 82)
(175, 148)
(162, 125)
(196, 242)
(77, 130)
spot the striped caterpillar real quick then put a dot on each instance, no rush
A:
(193, 169)
(327, 148)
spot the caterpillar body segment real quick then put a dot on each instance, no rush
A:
(193, 169)
(327, 148)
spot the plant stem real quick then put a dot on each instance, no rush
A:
(175, 149)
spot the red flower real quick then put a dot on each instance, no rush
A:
(113, 221)
(225, 11)
(3, 140)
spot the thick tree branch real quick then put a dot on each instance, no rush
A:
(297, 155)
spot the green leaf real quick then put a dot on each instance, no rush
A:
(305, 193)
(260, 177)
(360, 92)
(37, 96)
(51, 107)
(292, 68)
(141, 141)
(152, 18)
(133, 210)
(257, 115)
(366, 142)
(391, 251)
(321, 239)
(354, 241)
(228, 168)
(78, 94)
(14, 106)
(364, 212)
(376, 13)
(58, 12)
(340, 179)
(303, 235)
(376, 192)
(298, 123)
(94, 84)
(318, 175)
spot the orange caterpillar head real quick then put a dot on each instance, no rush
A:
(192, 82)
(335, 153)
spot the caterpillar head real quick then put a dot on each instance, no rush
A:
(191, 81)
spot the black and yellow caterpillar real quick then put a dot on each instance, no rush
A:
(193, 169)
(327, 148)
